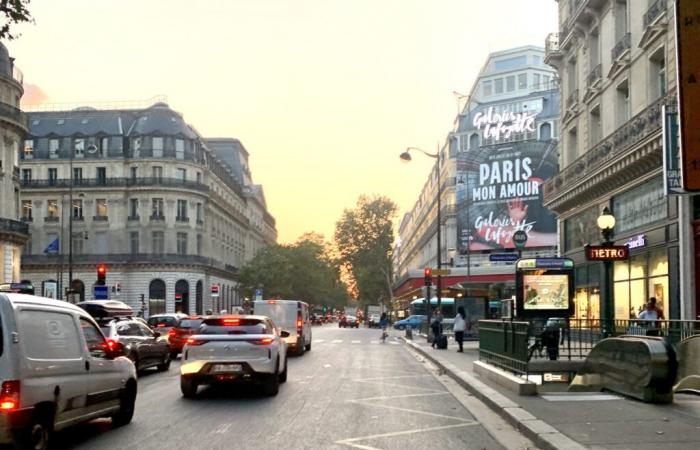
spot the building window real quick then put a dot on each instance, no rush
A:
(473, 141)
(78, 209)
(101, 175)
(53, 175)
(199, 244)
(623, 103)
(133, 208)
(101, 207)
(536, 80)
(77, 175)
(181, 210)
(571, 77)
(546, 131)
(522, 81)
(157, 173)
(26, 175)
(158, 239)
(181, 174)
(181, 243)
(510, 83)
(572, 147)
(52, 208)
(657, 74)
(27, 210)
(643, 276)
(157, 147)
(28, 149)
(54, 145)
(79, 147)
(104, 146)
(136, 144)
(179, 149)
(199, 177)
(487, 88)
(133, 173)
(157, 208)
(77, 243)
(134, 242)
(621, 20)
(498, 85)
(199, 213)
(640, 206)
(595, 126)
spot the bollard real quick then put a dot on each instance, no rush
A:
(409, 333)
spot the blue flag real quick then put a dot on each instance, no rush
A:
(52, 248)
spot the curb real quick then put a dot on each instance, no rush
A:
(541, 433)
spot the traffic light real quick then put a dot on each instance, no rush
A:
(428, 275)
(101, 274)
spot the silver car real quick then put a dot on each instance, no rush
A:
(235, 348)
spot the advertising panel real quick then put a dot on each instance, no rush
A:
(500, 190)
(546, 291)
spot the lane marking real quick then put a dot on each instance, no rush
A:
(396, 408)
(580, 397)
(351, 442)
(374, 342)
(337, 341)
(419, 375)
(402, 386)
(355, 342)
(223, 428)
(391, 397)
(319, 340)
(393, 342)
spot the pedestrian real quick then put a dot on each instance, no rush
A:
(436, 327)
(659, 311)
(649, 318)
(459, 327)
(383, 323)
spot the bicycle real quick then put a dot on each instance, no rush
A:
(384, 334)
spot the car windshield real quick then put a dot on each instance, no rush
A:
(160, 322)
(190, 323)
(233, 326)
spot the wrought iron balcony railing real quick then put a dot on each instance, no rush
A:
(624, 44)
(653, 13)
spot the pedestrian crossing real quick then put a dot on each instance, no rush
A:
(390, 341)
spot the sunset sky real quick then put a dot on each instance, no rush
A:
(324, 94)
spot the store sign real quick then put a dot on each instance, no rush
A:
(502, 125)
(638, 241)
(607, 252)
(672, 163)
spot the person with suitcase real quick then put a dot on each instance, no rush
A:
(436, 328)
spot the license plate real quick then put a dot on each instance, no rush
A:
(227, 368)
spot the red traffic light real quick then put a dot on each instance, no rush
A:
(427, 272)
(101, 269)
(101, 274)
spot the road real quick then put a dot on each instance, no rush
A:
(350, 391)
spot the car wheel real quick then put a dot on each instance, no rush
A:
(271, 385)
(188, 386)
(400, 327)
(165, 365)
(173, 355)
(38, 434)
(127, 401)
(300, 348)
(308, 347)
(283, 375)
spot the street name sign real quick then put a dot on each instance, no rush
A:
(503, 257)
(607, 252)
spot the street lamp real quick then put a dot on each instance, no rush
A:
(406, 157)
(606, 223)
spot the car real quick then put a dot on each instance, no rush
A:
(183, 330)
(410, 322)
(145, 347)
(235, 348)
(349, 322)
(373, 320)
(165, 322)
(292, 316)
(57, 370)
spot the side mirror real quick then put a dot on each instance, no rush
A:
(156, 334)
(284, 334)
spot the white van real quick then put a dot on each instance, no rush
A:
(291, 316)
(57, 370)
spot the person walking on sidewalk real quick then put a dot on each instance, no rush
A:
(459, 326)
(436, 328)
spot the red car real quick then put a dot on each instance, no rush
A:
(180, 332)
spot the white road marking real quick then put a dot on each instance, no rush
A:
(356, 342)
(396, 408)
(326, 366)
(389, 397)
(394, 342)
(337, 341)
(351, 442)
(316, 341)
(580, 397)
(374, 342)
(419, 375)
(223, 428)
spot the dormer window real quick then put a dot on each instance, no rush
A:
(179, 149)
(157, 147)
(29, 149)
(79, 147)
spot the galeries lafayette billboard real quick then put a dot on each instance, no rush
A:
(500, 190)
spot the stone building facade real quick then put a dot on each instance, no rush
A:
(145, 195)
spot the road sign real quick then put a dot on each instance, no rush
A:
(672, 160)
(607, 252)
(503, 257)
(101, 292)
(688, 69)
(258, 294)
(441, 272)
(519, 239)
(214, 290)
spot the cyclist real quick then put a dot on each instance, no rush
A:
(383, 323)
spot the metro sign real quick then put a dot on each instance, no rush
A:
(214, 290)
(607, 252)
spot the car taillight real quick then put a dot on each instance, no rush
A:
(193, 342)
(9, 395)
(231, 321)
(111, 344)
(263, 341)
(160, 325)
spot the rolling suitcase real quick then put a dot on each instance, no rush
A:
(442, 342)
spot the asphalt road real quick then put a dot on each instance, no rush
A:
(350, 391)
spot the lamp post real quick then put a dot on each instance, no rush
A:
(606, 223)
(406, 157)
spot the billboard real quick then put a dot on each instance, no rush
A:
(544, 291)
(500, 190)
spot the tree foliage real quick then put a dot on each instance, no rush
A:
(304, 271)
(14, 12)
(363, 236)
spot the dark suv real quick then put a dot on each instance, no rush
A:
(179, 333)
(145, 347)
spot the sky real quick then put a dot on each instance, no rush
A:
(324, 94)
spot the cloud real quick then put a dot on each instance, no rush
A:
(33, 95)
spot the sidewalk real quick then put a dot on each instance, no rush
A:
(575, 421)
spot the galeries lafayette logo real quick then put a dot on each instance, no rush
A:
(499, 126)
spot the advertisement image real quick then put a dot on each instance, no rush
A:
(500, 191)
(546, 292)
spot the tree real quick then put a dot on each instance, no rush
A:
(15, 12)
(363, 236)
(304, 271)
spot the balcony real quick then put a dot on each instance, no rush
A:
(27, 219)
(552, 49)
(13, 116)
(100, 218)
(622, 48)
(51, 219)
(592, 174)
(156, 259)
(157, 217)
(582, 13)
(14, 230)
(655, 23)
(181, 219)
(200, 222)
(593, 83)
(124, 182)
(133, 218)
